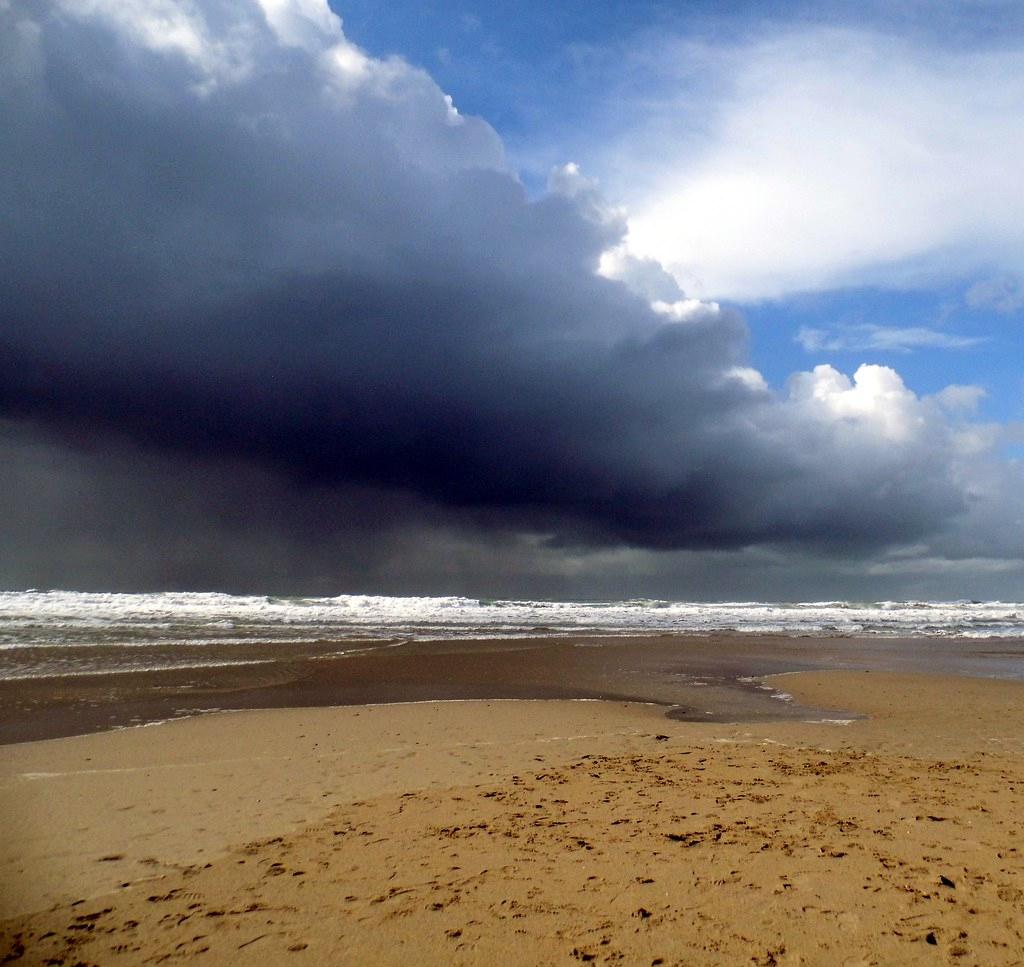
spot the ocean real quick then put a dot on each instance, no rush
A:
(46, 634)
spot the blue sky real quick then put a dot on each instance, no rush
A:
(570, 81)
(992, 363)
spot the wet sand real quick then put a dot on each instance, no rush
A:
(699, 677)
(876, 818)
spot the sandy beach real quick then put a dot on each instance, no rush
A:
(511, 484)
(531, 831)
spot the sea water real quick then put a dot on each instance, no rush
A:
(46, 633)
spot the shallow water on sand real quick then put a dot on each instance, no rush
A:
(699, 678)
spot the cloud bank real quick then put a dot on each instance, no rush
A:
(823, 158)
(265, 297)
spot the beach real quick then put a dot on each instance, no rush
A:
(871, 815)
(511, 484)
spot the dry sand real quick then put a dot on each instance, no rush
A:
(529, 832)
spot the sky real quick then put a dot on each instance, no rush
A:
(563, 300)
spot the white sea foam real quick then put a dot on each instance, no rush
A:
(70, 621)
(41, 616)
(62, 670)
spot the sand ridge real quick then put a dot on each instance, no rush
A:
(785, 844)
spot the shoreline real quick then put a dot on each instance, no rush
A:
(695, 678)
(452, 830)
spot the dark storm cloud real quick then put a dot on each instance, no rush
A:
(242, 241)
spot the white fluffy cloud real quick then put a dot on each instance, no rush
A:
(826, 158)
(875, 399)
